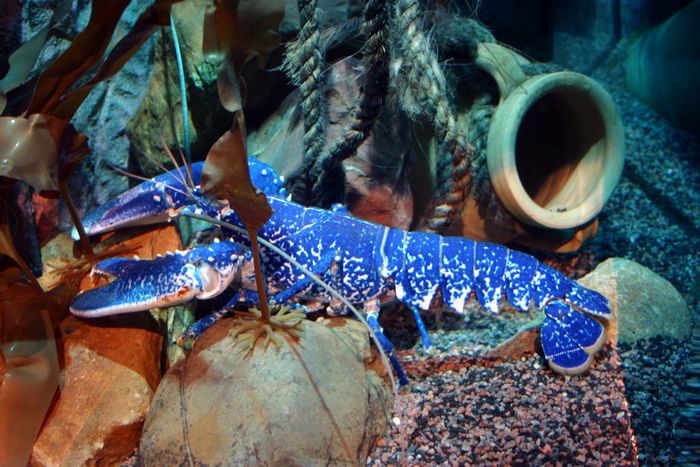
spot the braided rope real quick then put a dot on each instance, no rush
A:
(426, 81)
(328, 171)
(303, 64)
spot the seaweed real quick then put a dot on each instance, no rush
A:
(235, 31)
(42, 148)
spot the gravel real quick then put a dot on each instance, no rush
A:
(469, 410)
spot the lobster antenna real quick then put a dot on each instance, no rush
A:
(182, 179)
(187, 156)
(142, 178)
(314, 277)
(183, 92)
(188, 168)
(157, 163)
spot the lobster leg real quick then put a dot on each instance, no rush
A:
(425, 338)
(372, 312)
(251, 297)
(140, 284)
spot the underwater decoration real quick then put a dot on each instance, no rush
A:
(662, 67)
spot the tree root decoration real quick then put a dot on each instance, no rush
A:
(250, 327)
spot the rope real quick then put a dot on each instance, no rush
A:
(328, 172)
(427, 92)
(303, 64)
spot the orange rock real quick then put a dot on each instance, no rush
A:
(321, 401)
(111, 369)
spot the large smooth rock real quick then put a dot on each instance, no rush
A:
(643, 303)
(321, 401)
(111, 373)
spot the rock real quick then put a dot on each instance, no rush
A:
(112, 368)
(520, 345)
(322, 400)
(583, 33)
(101, 118)
(10, 32)
(643, 303)
(159, 117)
(102, 115)
(160, 113)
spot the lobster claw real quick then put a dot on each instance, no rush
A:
(140, 284)
(151, 202)
(161, 198)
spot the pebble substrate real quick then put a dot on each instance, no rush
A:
(469, 410)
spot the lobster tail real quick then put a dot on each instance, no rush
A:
(423, 263)
(419, 278)
(493, 271)
(569, 338)
(459, 266)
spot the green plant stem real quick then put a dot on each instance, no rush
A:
(183, 93)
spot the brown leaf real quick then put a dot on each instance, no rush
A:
(226, 176)
(228, 87)
(149, 21)
(85, 51)
(24, 58)
(30, 376)
(29, 149)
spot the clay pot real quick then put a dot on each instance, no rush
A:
(555, 147)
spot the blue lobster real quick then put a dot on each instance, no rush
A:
(365, 262)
